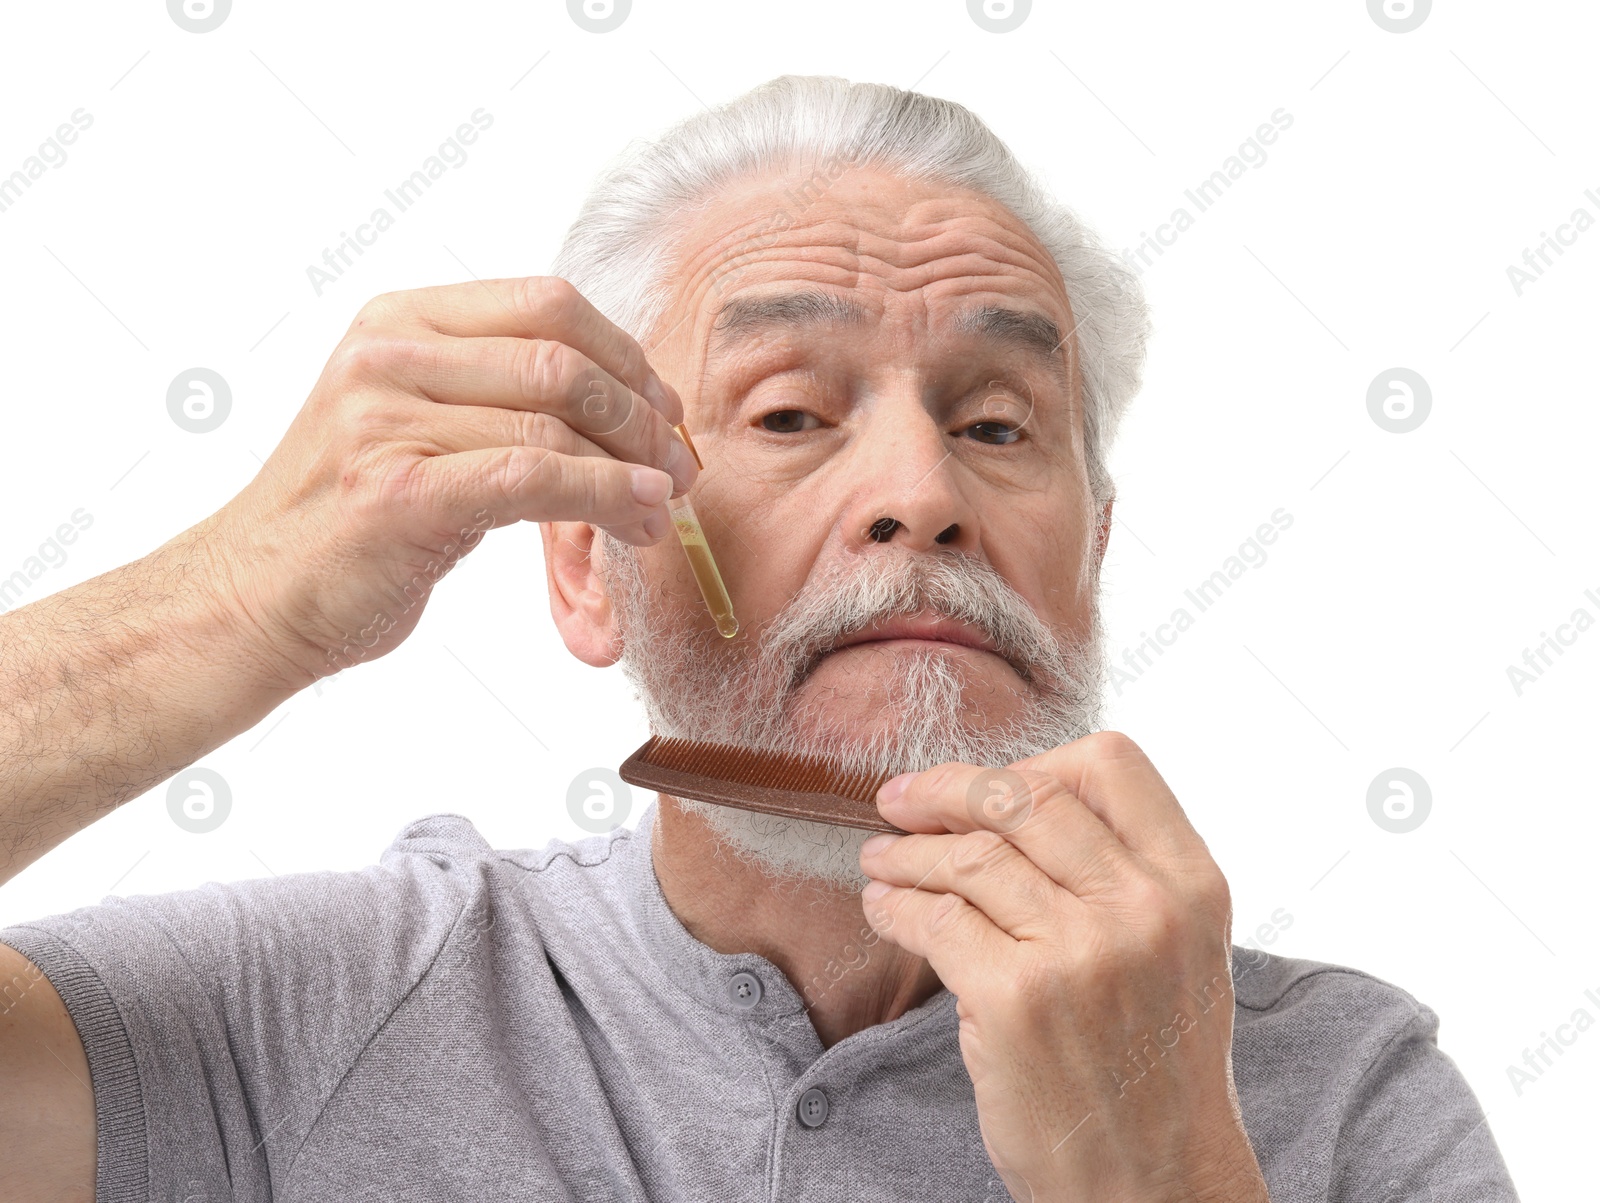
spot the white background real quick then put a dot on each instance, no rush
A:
(1378, 233)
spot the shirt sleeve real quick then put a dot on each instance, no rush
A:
(1413, 1131)
(217, 1022)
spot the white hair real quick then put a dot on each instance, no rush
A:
(619, 253)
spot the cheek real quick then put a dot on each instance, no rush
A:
(1047, 554)
(766, 537)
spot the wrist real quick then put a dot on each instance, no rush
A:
(223, 619)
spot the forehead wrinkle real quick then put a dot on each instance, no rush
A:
(935, 242)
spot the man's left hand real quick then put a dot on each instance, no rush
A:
(1084, 928)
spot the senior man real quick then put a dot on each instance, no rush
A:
(901, 364)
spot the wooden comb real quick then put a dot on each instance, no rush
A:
(795, 787)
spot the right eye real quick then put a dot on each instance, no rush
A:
(788, 421)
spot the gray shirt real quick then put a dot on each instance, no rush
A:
(461, 1023)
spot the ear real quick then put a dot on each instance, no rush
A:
(1102, 534)
(578, 601)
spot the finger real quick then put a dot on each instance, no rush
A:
(1115, 779)
(960, 943)
(983, 867)
(535, 484)
(1031, 809)
(474, 427)
(540, 376)
(545, 307)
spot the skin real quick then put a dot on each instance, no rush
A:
(447, 412)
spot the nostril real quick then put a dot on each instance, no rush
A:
(947, 534)
(883, 529)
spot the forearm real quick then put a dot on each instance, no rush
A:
(110, 687)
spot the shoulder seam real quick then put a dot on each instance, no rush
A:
(565, 851)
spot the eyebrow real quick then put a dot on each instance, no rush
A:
(1032, 333)
(744, 316)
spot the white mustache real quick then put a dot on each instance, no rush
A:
(957, 586)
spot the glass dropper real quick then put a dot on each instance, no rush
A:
(704, 566)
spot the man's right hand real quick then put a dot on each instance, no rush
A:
(444, 412)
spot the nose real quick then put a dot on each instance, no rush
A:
(909, 485)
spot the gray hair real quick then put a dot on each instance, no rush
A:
(618, 253)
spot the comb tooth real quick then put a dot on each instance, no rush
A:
(816, 779)
(746, 766)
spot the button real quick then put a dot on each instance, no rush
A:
(744, 989)
(813, 1108)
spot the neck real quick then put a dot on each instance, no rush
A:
(849, 977)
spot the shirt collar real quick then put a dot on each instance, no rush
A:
(705, 974)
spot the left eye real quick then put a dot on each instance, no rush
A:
(786, 421)
(996, 432)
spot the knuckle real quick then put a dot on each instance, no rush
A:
(1148, 897)
(597, 405)
(517, 468)
(587, 487)
(539, 429)
(547, 297)
(1113, 745)
(1106, 865)
(939, 779)
(369, 356)
(1044, 789)
(946, 912)
(378, 309)
(539, 366)
(979, 851)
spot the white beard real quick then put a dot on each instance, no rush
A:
(693, 685)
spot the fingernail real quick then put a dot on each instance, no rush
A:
(680, 463)
(657, 524)
(878, 843)
(651, 486)
(875, 890)
(894, 787)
